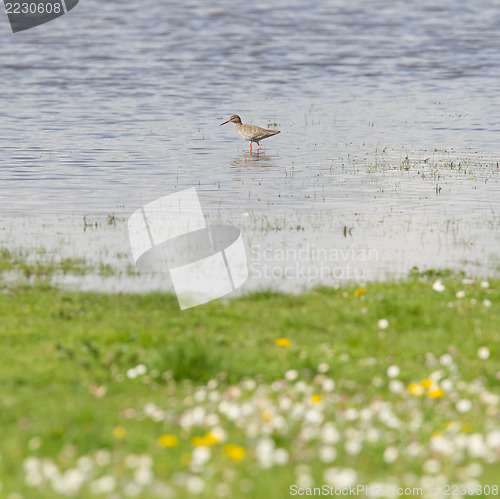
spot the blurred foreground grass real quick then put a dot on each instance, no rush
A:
(127, 396)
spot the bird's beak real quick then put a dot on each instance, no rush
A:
(225, 122)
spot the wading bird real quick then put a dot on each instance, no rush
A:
(251, 133)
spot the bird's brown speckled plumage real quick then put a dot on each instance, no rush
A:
(251, 133)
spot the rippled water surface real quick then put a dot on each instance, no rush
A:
(389, 115)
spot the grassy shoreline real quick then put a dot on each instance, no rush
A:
(248, 396)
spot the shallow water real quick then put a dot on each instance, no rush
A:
(117, 104)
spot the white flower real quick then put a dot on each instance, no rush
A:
(391, 454)
(438, 286)
(340, 477)
(131, 489)
(431, 466)
(396, 386)
(486, 303)
(51, 471)
(291, 375)
(353, 447)
(351, 414)
(328, 385)
(327, 454)
(476, 445)
(305, 481)
(383, 324)
(330, 434)
(140, 369)
(281, 457)
(31, 463)
(485, 284)
(463, 405)
(264, 452)
(144, 476)
(323, 367)
(195, 484)
(493, 440)
(483, 353)
(460, 294)
(393, 371)
(446, 359)
(201, 455)
(102, 457)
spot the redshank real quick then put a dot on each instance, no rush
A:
(251, 133)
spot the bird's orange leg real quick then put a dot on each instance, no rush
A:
(250, 147)
(259, 146)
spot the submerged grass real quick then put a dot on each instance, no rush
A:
(126, 394)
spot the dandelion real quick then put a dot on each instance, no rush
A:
(283, 342)
(119, 432)
(205, 441)
(383, 324)
(435, 393)
(316, 398)
(426, 383)
(393, 371)
(438, 286)
(234, 452)
(360, 292)
(168, 441)
(416, 389)
(483, 353)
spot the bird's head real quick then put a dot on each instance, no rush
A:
(234, 119)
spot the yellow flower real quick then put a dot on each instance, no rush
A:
(426, 383)
(266, 416)
(316, 398)
(119, 432)
(186, 459)
(435, 393)
(360, 291)
(168, 441)
(416, 389)
(205, 441)
(283, 342)
(466, 427)
(235, 452)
